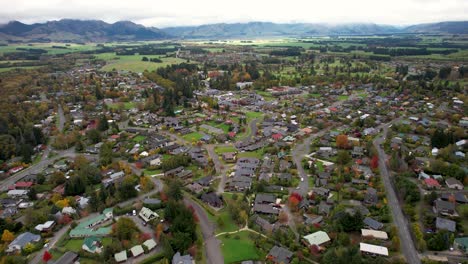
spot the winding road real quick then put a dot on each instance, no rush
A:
(212, 244)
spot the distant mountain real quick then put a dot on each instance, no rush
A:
(67, 30)
(455, 27)
(79, 30)
(268, 29)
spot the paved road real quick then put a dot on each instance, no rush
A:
(61, 117)
(212, 244)
(298, 153)
(38, 167)
(63, 230)
(407, 245)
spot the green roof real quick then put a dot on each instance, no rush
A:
(82, 232)
(462, 241)
(89, 242)
(107, 210)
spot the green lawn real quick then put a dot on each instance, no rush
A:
(251, 115)
(320, 166)
(74, 245)
(316, 95)
(194, 136)
(221, 150)
(139, 138)
(126, 105)
(228, 223)
(236, 250)
(254, 154)
(134, 62)
(152, 172)
(343, 97)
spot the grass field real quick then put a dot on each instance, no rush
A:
(139, 138)
(343, 97)
(221, 150)
(236, 250)
(254, 154)
(251, 115)
(134, 62)
(13, 68)
(194, 136)
(126, 105)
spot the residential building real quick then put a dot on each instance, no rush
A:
(280, 255)
(373, 249)
(20, 241)
(318, 238)
(147, 214)
(179, 259)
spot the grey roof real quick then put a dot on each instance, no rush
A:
(151, 201)
(67, 258)
(265, 198)
(24, 239)
(280, 254)
(265, 209)
(179, 259)
(376, 225)
(442, 223)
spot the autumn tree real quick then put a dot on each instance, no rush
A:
(7, 236)
(342, 141)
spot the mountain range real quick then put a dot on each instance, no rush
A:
(69, 30)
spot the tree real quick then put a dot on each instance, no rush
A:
(94, 136)
(283, 217)
(103, 124)
(342, 141)
(124, 229)
(32, 194)
(7, 236)
(174, 191)
(374, 164)
(105, 154)
(47, 256)
(343, 157)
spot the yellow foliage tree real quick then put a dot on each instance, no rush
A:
(7, 236)
(62, 203)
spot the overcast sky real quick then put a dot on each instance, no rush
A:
(164, 13)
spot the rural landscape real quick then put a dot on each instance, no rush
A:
(249, 143)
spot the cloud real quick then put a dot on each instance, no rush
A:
(188, 12)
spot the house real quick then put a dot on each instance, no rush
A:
(88, 228)
(321, 191)
(432, 183)
(374, 234)
(205, 181)
(212, 199)
(263, 223)
(373, 249)
(179, 259)
(324, 208)
(137, 250)
(23, 185)
(92, 244)
(17, 193)
(22, 240)
(373, 224)
(147, 214)
(68, 210)
(318, 238)
(195, 188)
(445, 224)
(371, 196)
(453, 183)
(265, 209)
(280, 255)
(462, 244)
(150, 244)
(229, 156)
(265, 198)
(459, 197)
(46, 227)
(121, 256)
(68, 258)
(444, 208)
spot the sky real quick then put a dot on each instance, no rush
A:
(168, 13)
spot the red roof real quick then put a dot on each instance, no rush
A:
(232, 134)
(431, 182)
(22, 184)
(277, 136)
(333, 109)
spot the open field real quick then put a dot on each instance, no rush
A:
(236, 250)
(134, 62)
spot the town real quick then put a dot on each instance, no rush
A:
(302, 151)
